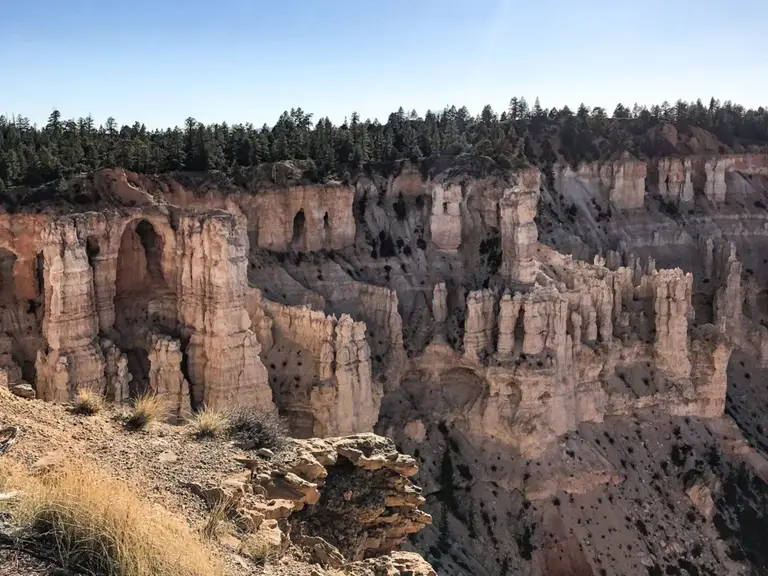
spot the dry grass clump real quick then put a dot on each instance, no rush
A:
(259, 427)
(209, 423)
(88, 402)
(147, 408)
(96, 524)
(217, 519)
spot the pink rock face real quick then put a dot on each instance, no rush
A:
(330, 390)
(675, 179)
(303, 218)
(119, 274)
(519, 234)
(156, 297)
(224, 364)
(445, 222)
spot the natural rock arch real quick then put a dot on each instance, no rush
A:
(140, 281)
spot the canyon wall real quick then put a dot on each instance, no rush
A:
(320, 368)
(584, 344)
(676, 179)
(433, 309)
(622, 181)
(101, 291)
(137, 293)
(297, 218)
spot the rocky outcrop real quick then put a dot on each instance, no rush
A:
(583, 344)
(70, 325)
(729, 296)
(119, 274)
(351, 513)
(622, 181)
(439, 303)
(626, 182)
(224, 365)
(356, 404)
(479, 324)
(509, 312)
(166, 379)
(713, 171)
(291, 218)
(116, 373)
(345, 499)
(675, 179)
(302, 218)
(445, 222)
(517, 209)
(672, 306)
(323, 384)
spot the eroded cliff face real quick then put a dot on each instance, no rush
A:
(585, 343)
(622, 181)
(456, 314)
(320, 368)
(118, 301)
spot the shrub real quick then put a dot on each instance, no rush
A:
(147, 408)
(98, 525)
(259, 427)
(88, 402)
(209, 423)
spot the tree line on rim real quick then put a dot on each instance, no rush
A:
(32, 155)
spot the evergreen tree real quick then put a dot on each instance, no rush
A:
(30, 155)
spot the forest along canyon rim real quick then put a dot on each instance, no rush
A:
(555, 341)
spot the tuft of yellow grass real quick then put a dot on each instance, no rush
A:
(147, 408)
(88, 402)
(98, 525)
(217, 519)
(209, 423)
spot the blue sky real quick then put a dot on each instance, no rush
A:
(160, 61)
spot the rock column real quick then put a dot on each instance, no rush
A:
(73, 359)
(224, 364)
(519, 234)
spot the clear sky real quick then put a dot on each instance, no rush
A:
(160, 61)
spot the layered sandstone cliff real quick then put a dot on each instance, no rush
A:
(425, 308)
(320, 366)
(127, 275)
(622, 180)
(579, 347)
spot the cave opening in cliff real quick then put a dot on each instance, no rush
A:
(140, 288)
(92, 249)
(40, 276)
(299, 222)
(326, 222)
